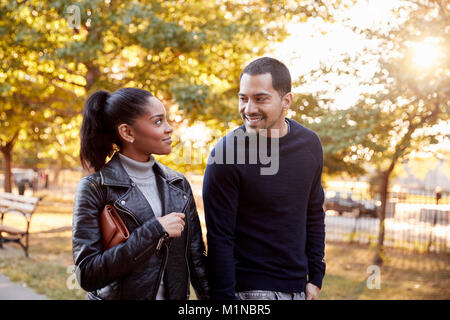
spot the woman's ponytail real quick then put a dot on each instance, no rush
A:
(95, 143)
(102, 114)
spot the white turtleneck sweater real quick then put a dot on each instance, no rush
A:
(143, 175)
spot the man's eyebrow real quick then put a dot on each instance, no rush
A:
(157, 115)
(256, 94)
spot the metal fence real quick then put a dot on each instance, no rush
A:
(63, 189)
(414, 221)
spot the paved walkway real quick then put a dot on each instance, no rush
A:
(14, 291)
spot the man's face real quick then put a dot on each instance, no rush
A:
(260, 105)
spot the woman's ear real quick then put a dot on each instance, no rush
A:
(126, 132)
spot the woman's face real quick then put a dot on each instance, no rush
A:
(151, 132)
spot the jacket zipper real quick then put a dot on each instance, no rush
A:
(166, 258)
(186, 250)
(161, 240)
(163, 265)
(130, 214)
(137, 223)
(158, 247)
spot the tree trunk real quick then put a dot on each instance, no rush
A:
(7, 156)
(92, 75)
(384, 192)
(57, 171)
(6, 150)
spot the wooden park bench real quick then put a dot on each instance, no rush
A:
(24, 206)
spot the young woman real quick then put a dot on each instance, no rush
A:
(165, 249)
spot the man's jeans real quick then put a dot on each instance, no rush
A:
(270, 295)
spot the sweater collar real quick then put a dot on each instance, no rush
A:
(114, 174)
(138, 169)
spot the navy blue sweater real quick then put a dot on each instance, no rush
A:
(265, 232)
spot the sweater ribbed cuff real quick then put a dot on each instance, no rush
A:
(316, 279)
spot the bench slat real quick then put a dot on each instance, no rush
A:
(11, 230)
(18, 198)
(11, 203)
(28, 208)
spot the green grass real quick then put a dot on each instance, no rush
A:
(46, 270)
(404, 275)
(337, 287)
(44, 277)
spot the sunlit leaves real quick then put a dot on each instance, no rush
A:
(388, 124)
(188, 53)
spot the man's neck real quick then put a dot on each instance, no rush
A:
(278, 132)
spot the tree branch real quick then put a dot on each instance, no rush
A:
(8, 145)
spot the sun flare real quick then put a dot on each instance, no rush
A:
(425, 54)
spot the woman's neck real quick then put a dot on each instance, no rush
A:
(137, 169)
(135, 156)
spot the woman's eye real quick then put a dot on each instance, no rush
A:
(159, 121)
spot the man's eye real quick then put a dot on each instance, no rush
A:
(242, 99)
(261, 99)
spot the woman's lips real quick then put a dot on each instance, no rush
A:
(167, 140)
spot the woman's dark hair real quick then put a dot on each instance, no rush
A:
(103, 112)
(281, 78)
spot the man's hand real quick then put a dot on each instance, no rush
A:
(312, 291)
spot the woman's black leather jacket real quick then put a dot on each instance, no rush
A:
(133, 269)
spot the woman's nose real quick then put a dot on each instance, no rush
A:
(169, 129)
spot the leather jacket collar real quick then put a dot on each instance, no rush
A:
(114, 174)
(170, 185)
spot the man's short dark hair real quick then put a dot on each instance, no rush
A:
(281, 78)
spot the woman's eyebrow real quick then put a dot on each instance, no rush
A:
(157, 115)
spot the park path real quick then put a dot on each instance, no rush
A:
(14, 291)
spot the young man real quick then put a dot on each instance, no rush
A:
(265, 229)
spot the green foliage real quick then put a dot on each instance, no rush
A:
(415, 98)
(385, 127)
(188, 53)
(338, 132)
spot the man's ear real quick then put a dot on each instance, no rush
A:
(286, 101)
(125, 132)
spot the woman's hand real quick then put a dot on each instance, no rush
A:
(173, 223)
